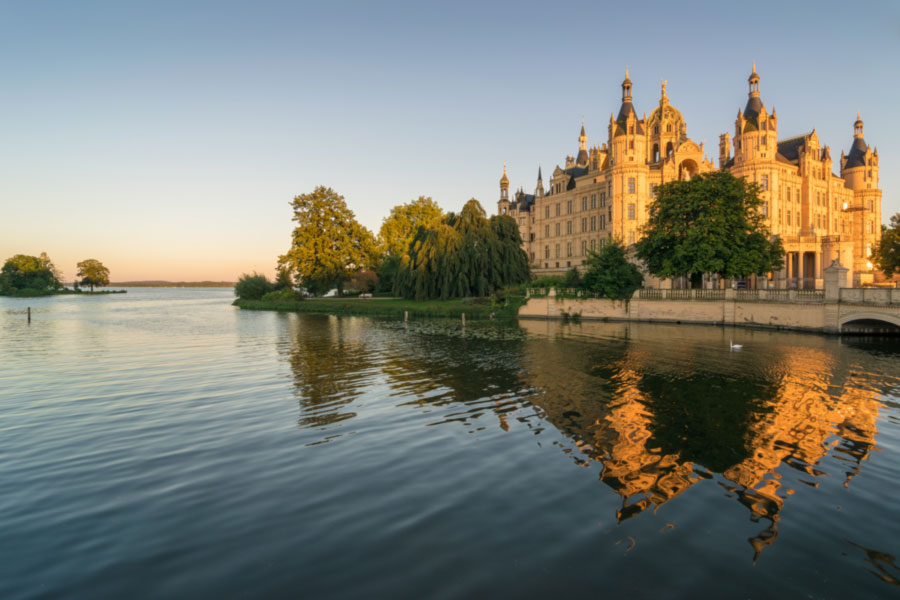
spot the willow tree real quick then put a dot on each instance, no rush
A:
(328, 245)
(465, 255)
(710, 224)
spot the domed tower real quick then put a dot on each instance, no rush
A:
(859, 168)
(503, 203)
(627, 140)
(755, 131)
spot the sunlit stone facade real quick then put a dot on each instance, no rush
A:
(604, 192)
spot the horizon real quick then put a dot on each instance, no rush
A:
(167, 140)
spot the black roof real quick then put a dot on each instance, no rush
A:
(857, 155)
(790, 148)
(582, 158)
(575, 172)
(626, 109)
(524, 201)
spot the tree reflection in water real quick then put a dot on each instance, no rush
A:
(658, 408)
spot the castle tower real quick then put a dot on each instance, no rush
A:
(539, 190)
(582, 159)
(860, 172)
(755, 131)
(503, 203)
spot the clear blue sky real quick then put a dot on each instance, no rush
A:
(166, 138)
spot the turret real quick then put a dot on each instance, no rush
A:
(582, 159)
(539, 190)
(503, 203)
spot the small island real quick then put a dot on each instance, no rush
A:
(24, 276)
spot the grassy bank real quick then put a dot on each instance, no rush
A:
(474, 308)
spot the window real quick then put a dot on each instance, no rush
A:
(764, 181)
(593, 223)
(669, 128)
(630, 238)
(584, 224)
(557, 209)
(584, 203)
(631, 185)
(602, 200)
(609, 188)
(788, 217)
(584, 247)
(593, 200)
(569, 207)
(569, 227)
(765, 209)
(569, 249)
(547, 212)
(631, 212)
(788, 190)
(557, 230)
(546, 251)
(602, 221)
(631, 146)
(547, 230)
(593, 245)
(557, 251)
(653, 190)
(868, 250)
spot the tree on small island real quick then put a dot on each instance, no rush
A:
(887, 254)
(93, 273)
(712, 223)
(24, 275)
(328, 245)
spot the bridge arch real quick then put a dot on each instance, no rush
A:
(870, 321)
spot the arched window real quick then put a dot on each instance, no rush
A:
(670, 149)
(655, 155)
(669, 128)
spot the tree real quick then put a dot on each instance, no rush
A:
(36, 274)
(252, 287)
(92, 272)
(328, 245)
(887, 254)
(399, 228)
(464, 255)
(610, 274)
(710, 224)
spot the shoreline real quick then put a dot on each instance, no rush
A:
(473, 308)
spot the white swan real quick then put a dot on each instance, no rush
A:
(735, 346)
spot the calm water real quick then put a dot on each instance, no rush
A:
(163, 444)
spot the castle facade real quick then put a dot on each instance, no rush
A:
(604, 192)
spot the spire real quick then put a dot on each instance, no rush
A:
(582, 137)
(858, 127)
(754, 82)
(539, 174)
(504, 181)
(626, 88)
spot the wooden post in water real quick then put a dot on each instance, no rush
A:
(29, 314)
(405, 316)
(464, 319)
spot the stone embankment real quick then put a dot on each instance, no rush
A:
(836, 309)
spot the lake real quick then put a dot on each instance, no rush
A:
(163, 444)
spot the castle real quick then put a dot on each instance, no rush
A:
(604, 192)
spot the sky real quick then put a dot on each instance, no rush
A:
(167, 138)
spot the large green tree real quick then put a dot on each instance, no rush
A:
(93, 273)
(327, 245)
(36, 274)
(710, 224)
(399, 228)
(464, 255)
(887, 254)
(610, 274)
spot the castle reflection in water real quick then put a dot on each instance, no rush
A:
(657, 408)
